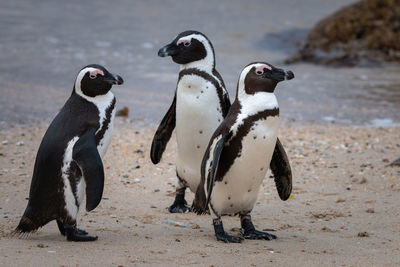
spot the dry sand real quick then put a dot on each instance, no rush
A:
(344, 210)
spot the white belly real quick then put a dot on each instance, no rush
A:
(238, 190)
(105, 142)
(197, 118)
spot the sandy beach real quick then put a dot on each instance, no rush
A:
(344, 209)
(341, 130)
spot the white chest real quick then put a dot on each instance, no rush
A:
(239, 188)
(197, 116)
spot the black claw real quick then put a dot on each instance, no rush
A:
(77, 235)
(228, 238)
(255, 234)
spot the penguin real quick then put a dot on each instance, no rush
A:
(69, 160)
(239, 153)
(200, 104)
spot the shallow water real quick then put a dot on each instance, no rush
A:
(43, 44)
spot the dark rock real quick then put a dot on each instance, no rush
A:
(123, 112)
(367, 31)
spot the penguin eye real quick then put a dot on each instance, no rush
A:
(259, 72)
(92, 76)
(186, 44)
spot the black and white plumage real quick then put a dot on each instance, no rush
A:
(240, 152)
(200, 104)
(68, 162)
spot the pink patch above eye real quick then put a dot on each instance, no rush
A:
(182, 41)
(262, 67)
(95, 72)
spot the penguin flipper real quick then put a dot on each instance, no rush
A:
(86, 155)
(281, 170)
(216, 152)
(163, 133)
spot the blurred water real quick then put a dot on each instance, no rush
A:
(43, 44)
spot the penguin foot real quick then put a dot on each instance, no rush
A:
(221, 235)
(77, 235)
(249, 231)
(61, 227)
(179, 208)
(81, 232)
(228, 238)
(256, 235)
(180, 204)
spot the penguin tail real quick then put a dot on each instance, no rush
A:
(199, 210)
(25, 226)
(30, 222)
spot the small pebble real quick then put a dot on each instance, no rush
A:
(370, 210)
(136, 180)
(5, 142)
(363, 234)
(20, 143)
(362, 181)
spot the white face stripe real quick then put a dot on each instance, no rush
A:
(80, 76)
(206, 64)
(262, 67)
(102, 102)
(241, 92)
(94, 73)
(186, 38)
(251, 104)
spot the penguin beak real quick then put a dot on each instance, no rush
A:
(278, 74)
(114, 79)
(288, 74)
(168, 50)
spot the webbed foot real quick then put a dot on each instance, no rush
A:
(255, 234)
(178, 208)
(180, 204)
(75, 234)
(61, 227)
(249, 232)
(221, 235)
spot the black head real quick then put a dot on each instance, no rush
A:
(94, 80)
(262, 77)
(189, 46)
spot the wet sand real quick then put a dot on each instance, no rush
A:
(344, 210)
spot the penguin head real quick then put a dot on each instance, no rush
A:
(262, 77)
(190, 47)
(94, 80)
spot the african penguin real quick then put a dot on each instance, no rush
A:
(240, 151)
(68, 161)
(200, 104)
